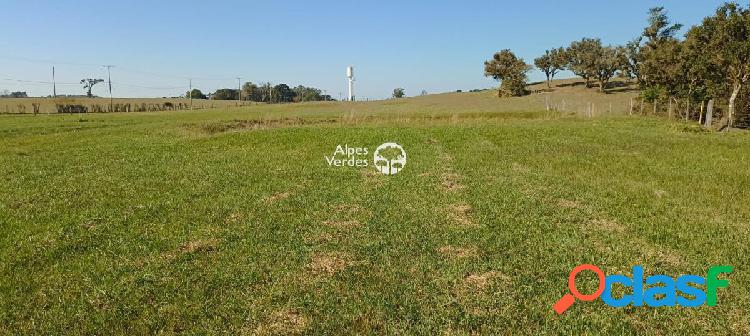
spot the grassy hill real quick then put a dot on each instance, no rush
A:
(232, 221)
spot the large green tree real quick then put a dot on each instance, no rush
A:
(725, 38)
(250, 91)
(551, 63)
(633, 59)
(582, 58)
(659, 27)
(195, 94)
(225, 94)
(609, 60)
(509, 70)
(281, 93)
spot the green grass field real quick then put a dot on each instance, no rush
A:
(231, 221)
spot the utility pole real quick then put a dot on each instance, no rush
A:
(190, 93)
(239, 90)
(54, 86)
(109, 79)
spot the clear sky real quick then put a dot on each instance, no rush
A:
(435, 45)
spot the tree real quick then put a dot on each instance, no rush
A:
(510, 71)
(608, 61)
(551, 62)
(304, 94)
(632, 60)
(15, 94)
(659, 27)
(225, 94)
(250, 91)
(88, 84)
(282, 94)
(660, 56)
(398, 93)
(726, 41)
(582, 58)
(196, 94)
(265, 92)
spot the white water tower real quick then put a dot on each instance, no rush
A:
(350, 75)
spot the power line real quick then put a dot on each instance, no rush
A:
(126, 69)
(117, 83)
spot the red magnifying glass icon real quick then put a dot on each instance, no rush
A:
(568, 299)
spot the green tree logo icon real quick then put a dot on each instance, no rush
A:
(389, 158)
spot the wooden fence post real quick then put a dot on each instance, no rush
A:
(669, 109)
(630, 111)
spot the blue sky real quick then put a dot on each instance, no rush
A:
(435, 46)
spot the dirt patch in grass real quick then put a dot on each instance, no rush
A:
(278, 196)
(234, 218)
(284, 322)
(351, 210)
(661, 255)
(461, 214)
(328, 263)
(255, 124)
(660, 193)
(477, 282)
(343, 224)
(319, 238)
(517, 167)
(193, 246)
(569, 204)
(606, 224)
(450, 182)
(459, 252)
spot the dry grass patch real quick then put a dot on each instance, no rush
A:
(284, 322)
(328, 263)
(477, 282)
(351, 210)
(569, 204)
(343, 224)
(450, 182)
(319, 238)
(517, 167)
(256, 124)
(234, 217)
(194, 246)
(461, 214)
(605, 224)
(278, 196)
(459, 252)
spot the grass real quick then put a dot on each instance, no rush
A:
(230, 221)
(48, 105)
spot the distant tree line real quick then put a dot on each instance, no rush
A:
(264, 92)
(15, 94)
(712, 61)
